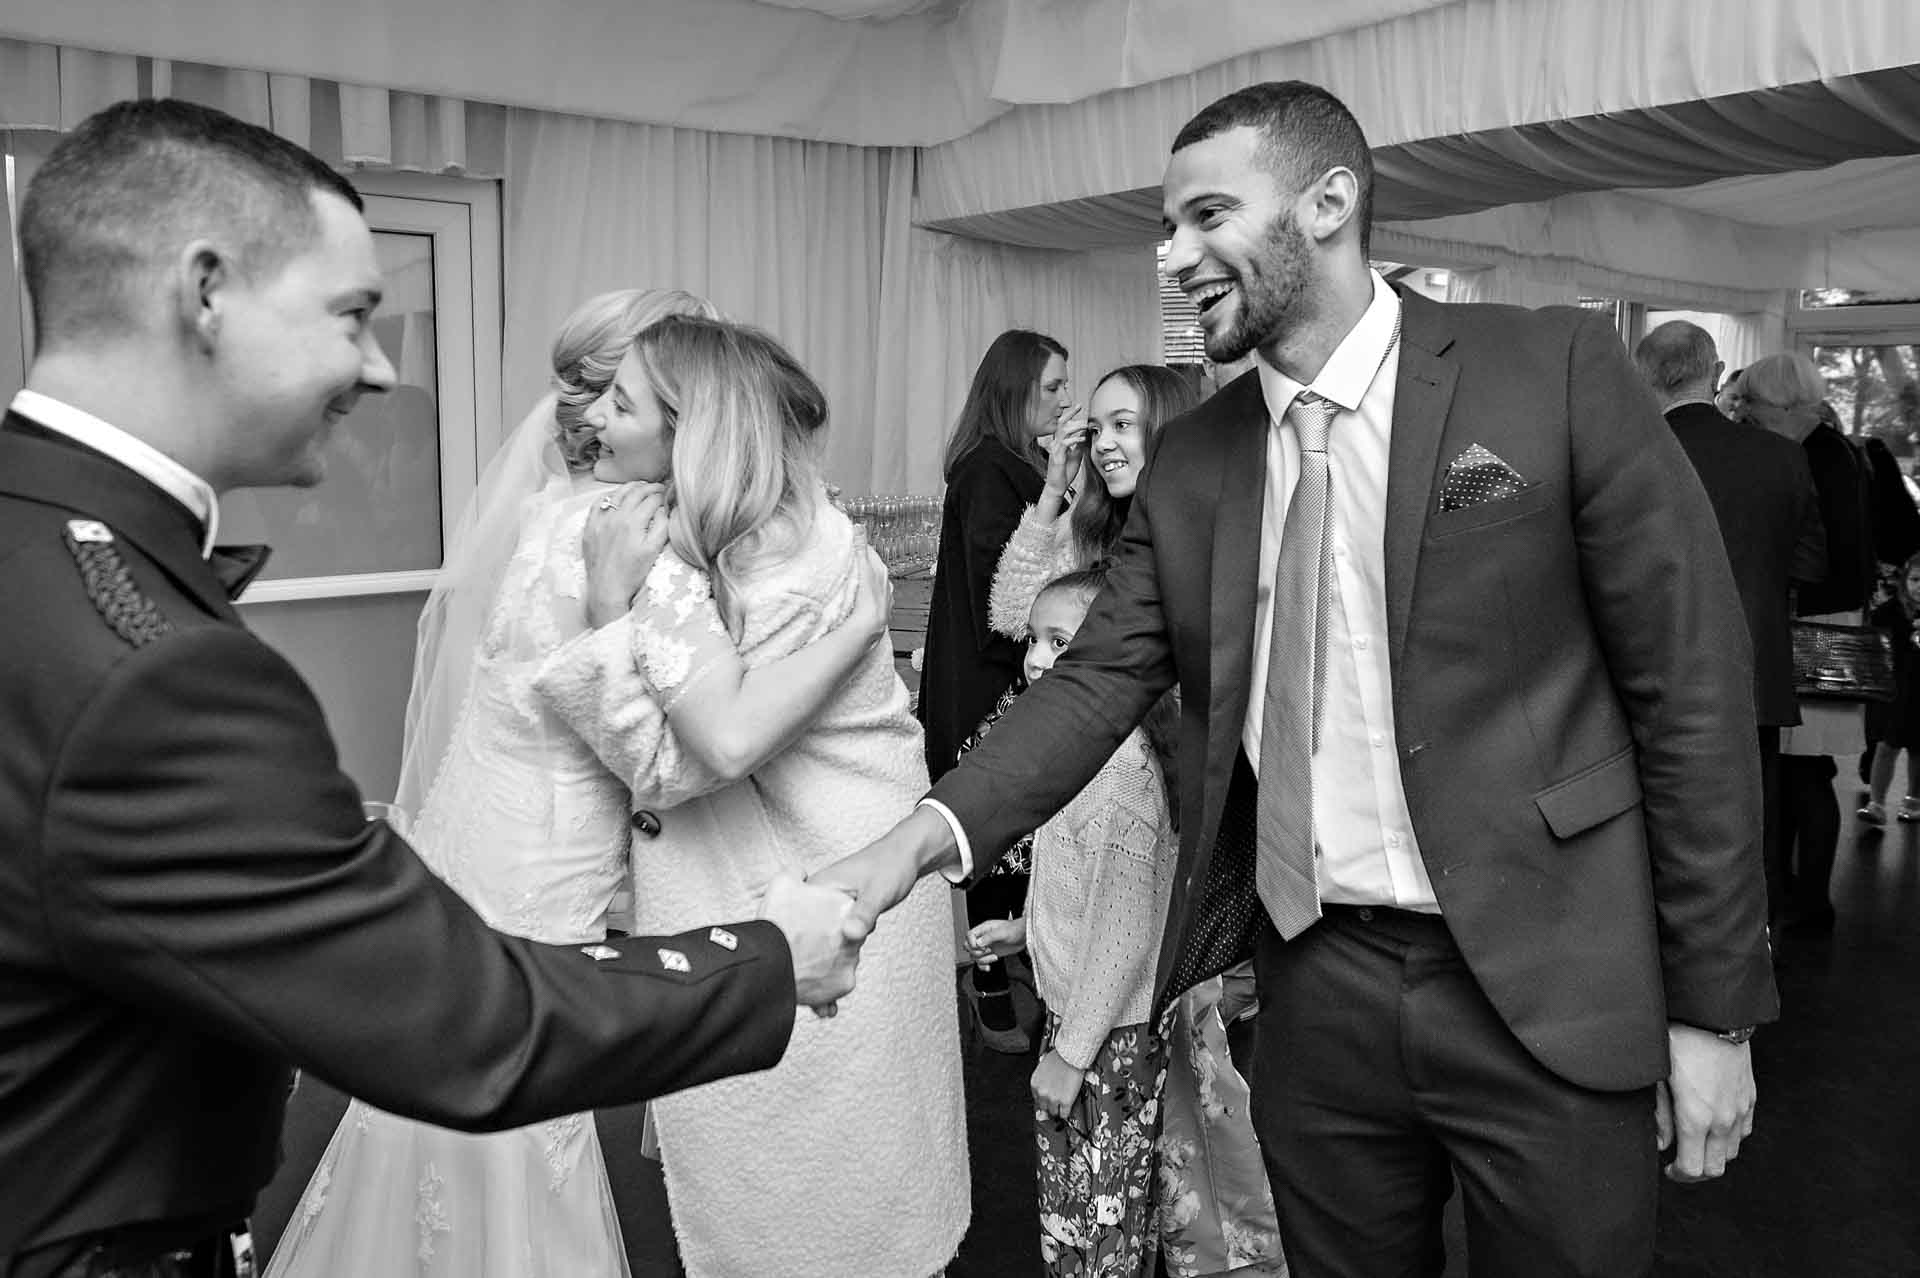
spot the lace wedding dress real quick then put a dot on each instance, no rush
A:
(526, 824)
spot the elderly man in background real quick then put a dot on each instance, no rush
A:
(1763, 499)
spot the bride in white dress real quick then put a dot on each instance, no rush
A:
(518, 815)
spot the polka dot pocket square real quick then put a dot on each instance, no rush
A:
(1476, 477)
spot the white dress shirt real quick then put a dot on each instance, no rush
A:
(138, 456)
(1360, 820)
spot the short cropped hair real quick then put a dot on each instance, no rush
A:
(1305, 132)
(135, 183)
(1676, 354)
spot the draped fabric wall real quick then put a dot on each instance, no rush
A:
(813, 241)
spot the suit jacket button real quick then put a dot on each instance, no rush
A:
(647, 823)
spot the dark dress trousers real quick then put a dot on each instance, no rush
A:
(1763, 499)
(1573, 710)
(191, 900)
(967, 665)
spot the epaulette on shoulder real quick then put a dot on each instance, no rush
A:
(121, 604)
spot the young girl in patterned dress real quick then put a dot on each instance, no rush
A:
(1102, 875)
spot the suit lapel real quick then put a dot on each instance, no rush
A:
(1243, 423)
(1422, 394)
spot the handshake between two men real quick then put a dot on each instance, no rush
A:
(824, 933)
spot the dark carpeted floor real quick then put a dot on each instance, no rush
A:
(1828, 1187)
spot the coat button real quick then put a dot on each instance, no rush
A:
(647, 823)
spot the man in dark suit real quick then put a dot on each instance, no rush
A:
(1763, 498)
(1467, 715)
(190, 897)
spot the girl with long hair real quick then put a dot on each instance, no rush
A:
(1216, 1211)
(1099, 464)
(850, 1155)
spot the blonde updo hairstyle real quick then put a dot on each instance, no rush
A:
(747, 424)
(587, 352)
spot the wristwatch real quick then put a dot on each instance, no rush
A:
(1735, 1036)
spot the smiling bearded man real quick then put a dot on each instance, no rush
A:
(1467, 760)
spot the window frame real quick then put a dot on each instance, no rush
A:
(463, 218)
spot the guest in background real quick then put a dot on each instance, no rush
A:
(1728, 399)
(1057, 535)
(1899, 726)
(993, 471)
(1782, 393)
(1217, 1212)
(1102, 875)
(1896, 537)
(1763, 499)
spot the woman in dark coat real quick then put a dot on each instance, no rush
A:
(994, 470)
(1782, 393)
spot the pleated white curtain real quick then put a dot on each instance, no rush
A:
(814, 242)
(47, 89)
(50, 88)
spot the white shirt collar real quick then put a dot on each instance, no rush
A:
(1351, 368)
(1692, 399)
(158, 469)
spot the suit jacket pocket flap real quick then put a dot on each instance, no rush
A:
(1589, 797)
(1445, 523)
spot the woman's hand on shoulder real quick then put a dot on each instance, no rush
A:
(873, 605)
(626, 531)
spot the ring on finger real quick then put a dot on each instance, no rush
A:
(608, 503)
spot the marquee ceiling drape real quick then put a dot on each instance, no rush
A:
(871, 72)
(45, 88)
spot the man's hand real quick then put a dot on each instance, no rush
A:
(825, 936)
(626, 529)
(1056, 1085)
(880, 875)
(1707, 1103)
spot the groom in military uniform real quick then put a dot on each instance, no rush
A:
(190, 897)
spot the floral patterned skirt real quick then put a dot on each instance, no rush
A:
(1096, 1172)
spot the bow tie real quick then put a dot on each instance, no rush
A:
(237, 566)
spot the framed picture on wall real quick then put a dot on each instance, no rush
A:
(400, 467)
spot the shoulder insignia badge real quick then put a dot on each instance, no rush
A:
(120, 603)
